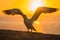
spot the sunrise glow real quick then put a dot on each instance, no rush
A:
(28, 7)
(37, 22)
(34, 4)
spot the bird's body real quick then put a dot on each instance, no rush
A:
(28, 23)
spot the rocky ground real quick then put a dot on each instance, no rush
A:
(23, 35)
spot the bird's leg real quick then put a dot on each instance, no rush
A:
(31, 30)
(28, 30)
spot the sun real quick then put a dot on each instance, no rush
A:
(35, 4)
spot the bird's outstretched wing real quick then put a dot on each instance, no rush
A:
(35, 15)
(42, 10)
(12, 11)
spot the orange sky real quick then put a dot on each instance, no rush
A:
(28, 7)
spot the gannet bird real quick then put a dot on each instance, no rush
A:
(29, 22)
